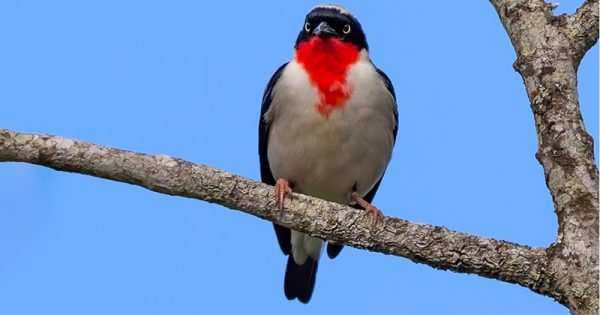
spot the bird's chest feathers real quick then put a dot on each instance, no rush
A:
(326, 61)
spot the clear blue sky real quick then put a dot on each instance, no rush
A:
(186, 79)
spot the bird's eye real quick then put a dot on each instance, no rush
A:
(307, 27)
(346, 29)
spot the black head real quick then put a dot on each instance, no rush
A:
(334, 21)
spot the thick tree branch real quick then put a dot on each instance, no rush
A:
(549, 49)
(435, 246)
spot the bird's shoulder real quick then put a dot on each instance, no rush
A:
(268, 92)
(390, 87)
(387, 81)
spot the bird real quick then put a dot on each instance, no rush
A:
(327, 128)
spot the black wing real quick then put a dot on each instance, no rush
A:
(388, 83)
(283, 233)
(390, 87)
(334, 249)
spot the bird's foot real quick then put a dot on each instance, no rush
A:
(369, 208)
(282, 187)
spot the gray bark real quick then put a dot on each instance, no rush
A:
(432, 245)
(549, 49)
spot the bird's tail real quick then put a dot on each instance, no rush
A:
(299, 280)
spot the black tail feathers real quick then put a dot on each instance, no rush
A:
(333, 250)
(299, 280)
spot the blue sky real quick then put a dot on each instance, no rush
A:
(185, 78)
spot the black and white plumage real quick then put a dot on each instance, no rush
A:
(338, 154)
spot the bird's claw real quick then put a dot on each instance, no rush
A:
(376, 213)
(282, 187)
(369, 208)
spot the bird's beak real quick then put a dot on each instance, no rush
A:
(323, 29)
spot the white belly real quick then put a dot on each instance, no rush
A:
(331, 156)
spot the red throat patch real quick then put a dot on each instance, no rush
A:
(326, 60)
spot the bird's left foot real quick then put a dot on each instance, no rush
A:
(369, 208)
(282, 188)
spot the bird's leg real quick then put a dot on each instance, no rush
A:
(367, 206)
(282, 187)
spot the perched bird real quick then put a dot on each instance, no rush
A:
(327, 128)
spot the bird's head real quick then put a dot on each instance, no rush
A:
(332, 22)
(330, 42)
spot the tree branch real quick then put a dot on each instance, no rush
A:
(549, 49)
(582, 27)
(435, 246)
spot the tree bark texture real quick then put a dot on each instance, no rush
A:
(432, 245)
(549, 49)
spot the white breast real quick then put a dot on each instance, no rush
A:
(327, 156)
